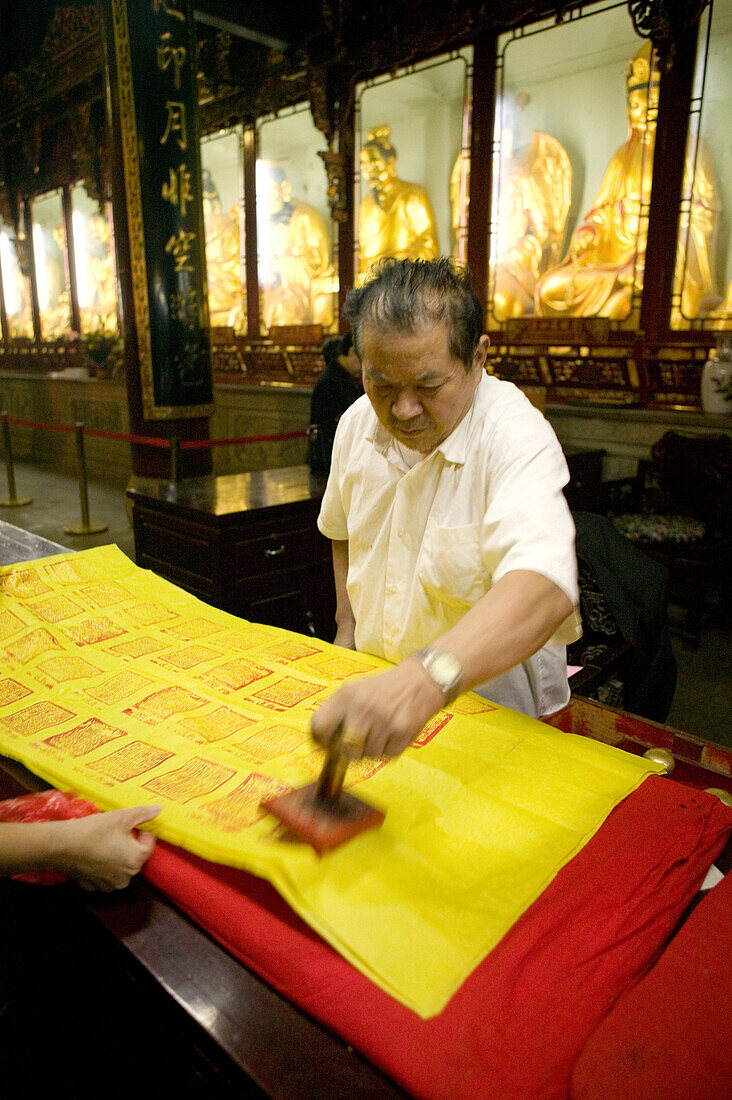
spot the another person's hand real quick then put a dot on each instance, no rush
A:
(382, 714)
(101, 852)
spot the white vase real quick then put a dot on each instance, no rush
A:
(716, 377)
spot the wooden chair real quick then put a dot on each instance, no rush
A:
(679, 511)
(625, 654)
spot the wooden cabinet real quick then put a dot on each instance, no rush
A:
(247, 543)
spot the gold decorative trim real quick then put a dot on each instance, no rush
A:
(136, 227)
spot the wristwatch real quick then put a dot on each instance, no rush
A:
(443, 669)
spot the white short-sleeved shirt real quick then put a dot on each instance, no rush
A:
(427, 540)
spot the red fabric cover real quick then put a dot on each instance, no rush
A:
(516, 1027)
(670, 1038)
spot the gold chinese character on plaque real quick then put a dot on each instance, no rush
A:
(179, 246)
(168, 55)
(177, 191)
(175, 124)
(167, 8)
(184, 307)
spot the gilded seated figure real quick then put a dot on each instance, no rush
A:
(533, 204)
(459, 181)
(296, 276)
(532, 213)
(607, 252)
(395, 217)
(101, 311)
(226, 285)
(695, 264)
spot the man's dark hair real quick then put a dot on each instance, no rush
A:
(409, 295)
(331, 349)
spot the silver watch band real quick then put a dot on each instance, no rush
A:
(443, 669)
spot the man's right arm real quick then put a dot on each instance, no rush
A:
(345, 621)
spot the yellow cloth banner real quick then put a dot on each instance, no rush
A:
(127, 690)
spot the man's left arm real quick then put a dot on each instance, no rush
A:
(383, 714)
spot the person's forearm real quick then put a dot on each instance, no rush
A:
(345, 621)
(100, 851)
(506, 626)
(383, 714)
(29, 847)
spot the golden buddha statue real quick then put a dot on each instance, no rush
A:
(297, 279)
(533, 204)
(395, 217)
(696, 248)
(606, 257)
(224, 274)
(100, 313)
(459, 198)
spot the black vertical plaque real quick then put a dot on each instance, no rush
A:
(155, 53)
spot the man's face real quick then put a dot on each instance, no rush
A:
(419, 391)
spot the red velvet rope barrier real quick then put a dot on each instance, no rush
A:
(200, 444)
(155, 441)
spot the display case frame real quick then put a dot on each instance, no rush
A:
(652, 366)
(384, 123)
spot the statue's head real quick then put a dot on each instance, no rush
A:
(378, 157)
(274, 190)
(642, 79)
(210, 194)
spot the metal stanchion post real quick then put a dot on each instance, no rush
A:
(12, 501)
(175, 458)
(86, 528)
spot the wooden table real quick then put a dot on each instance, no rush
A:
(226, 1032)
(247, 543)
(232, 1033)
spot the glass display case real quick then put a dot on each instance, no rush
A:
(573, 158)
(413, 143)
(296, 262)
(16, 289)
(96, 284)
(702, 296)
(49, 256)
(223, 214)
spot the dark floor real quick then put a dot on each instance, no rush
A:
(702, 703)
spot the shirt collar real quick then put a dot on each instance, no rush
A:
(454, 449)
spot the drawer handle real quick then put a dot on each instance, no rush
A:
(274, 553)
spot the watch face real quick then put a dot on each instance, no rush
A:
(445, 669)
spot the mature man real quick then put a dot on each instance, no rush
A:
(449, 528)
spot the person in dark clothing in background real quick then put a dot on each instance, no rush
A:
(338, 387)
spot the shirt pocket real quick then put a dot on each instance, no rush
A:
(451, 567)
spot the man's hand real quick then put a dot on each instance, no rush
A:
(101, 851)
(381, 714)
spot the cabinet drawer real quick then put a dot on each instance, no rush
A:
(278, 551)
